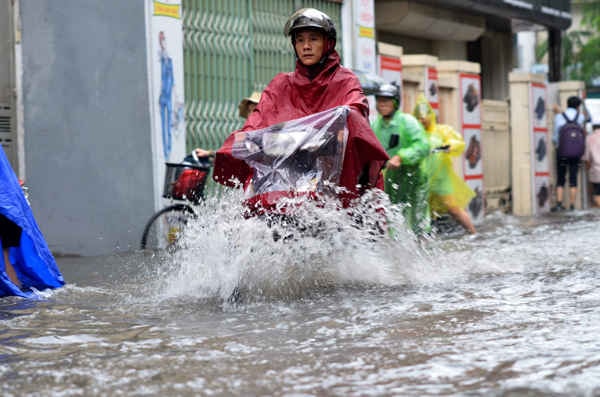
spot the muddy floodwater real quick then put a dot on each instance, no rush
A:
(511, 311)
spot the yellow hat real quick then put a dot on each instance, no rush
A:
(243, 106)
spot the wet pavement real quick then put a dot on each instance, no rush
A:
(512, 311)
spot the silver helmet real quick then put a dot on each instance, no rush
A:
(307, 18)
(388, 91)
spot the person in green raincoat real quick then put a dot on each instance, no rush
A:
(448, 193)
(405, 173)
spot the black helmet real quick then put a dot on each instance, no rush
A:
(388, 91)
(307, 18)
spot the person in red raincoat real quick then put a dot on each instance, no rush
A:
(318, 83)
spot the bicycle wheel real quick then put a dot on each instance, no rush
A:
(166, 227)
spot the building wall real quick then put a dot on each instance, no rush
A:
(7, 119)
(443, 49)
(5, 49)
(450, 50)
(449, 33)
(494, 52)
(410, 45)
(86, 122)
(497, 61)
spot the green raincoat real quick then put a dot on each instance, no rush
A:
(408, 184)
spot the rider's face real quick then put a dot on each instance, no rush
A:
(385, 106)
(309, 46)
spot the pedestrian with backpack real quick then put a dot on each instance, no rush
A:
(569, 141)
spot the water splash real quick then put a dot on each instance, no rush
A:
(222, 252)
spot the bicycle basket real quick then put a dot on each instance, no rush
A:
(184, 181)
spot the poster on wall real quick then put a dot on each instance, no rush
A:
(540, 145)
(166, 60)
(472, 163)
(366, 51)
(473, 172)
(390, 70)
(432, 88)
(475, 206)
(538, 107)
(470, 114)
(364, 21)
(542, 194)
(470, 99)
(540, 148)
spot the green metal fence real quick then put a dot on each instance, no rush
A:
(218, 67)
(231, 48)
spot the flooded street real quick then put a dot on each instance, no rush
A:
(512, 311)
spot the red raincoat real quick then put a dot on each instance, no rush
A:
(293, 95)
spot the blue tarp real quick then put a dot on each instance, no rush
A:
(32, 260)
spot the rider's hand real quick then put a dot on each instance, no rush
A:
(203, 153)
(394, 162)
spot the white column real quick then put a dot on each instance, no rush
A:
(526, 51)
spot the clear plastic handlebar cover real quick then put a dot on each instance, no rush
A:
(300, 155)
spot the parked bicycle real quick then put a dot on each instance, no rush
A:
(184, 185)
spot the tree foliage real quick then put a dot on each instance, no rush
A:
(580, 48)
(589, 53)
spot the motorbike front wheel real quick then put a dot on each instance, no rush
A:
(165, 228)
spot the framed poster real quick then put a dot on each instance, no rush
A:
(164, 43)
(476, 206)
(470, 96)
(540, 141)
(470, 118)
(472, 165)
(166, 60)
(390, 70)
(432, 88)
(365, 53)
(542, 193)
